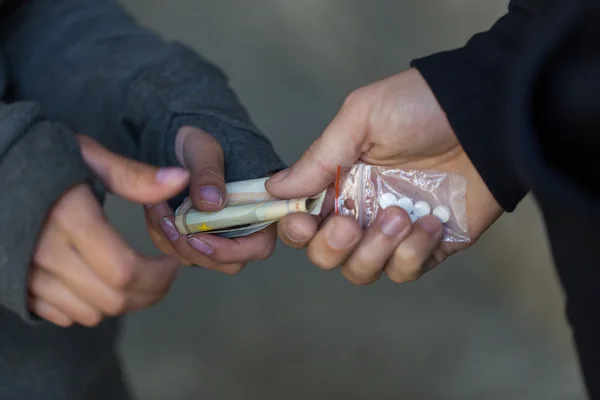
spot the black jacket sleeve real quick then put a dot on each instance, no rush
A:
(554, 140)
(470, 84)
(522, 99)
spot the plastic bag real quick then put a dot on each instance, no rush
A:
(365, 189)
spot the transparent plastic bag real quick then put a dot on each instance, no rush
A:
(365, 189)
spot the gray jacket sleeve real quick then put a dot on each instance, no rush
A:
(89, 64)
(39, 161)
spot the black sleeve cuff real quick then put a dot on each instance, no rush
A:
(248, 154)
(474, 107)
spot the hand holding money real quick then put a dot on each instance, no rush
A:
(202, 155)
(249, 208)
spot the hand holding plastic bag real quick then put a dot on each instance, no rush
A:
(397, 123)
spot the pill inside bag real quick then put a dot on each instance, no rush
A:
(363, 190)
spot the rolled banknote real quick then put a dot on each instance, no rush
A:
(249, 209)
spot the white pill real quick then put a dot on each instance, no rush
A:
(421, 208)
(413, 218)
(387, 199)
(443, 213)
(405, 203)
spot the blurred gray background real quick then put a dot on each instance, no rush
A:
(488, 324)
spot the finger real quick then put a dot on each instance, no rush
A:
(140, 300)
(407, 262)
(258, 246)
(130, 179)
(191, 256)
(47, 311)
(160, 217)
(158, 238)
(165, 247)
(72, 271)
(203, 156)
(297, 230)
(334, 243)
(48, 288)
(342, 143)
(104, 250)
(163, 232)
(55, 255)
(198, 258)
(366, 263)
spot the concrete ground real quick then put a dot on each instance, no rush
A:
(488, 324)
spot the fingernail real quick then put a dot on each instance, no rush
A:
(430, 225)
(393, 225)
(280, 175)
(200, 245)
(210, 194)
(168, 229)
(171, 175)
(340, 238)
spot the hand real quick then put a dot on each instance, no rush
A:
(82, 269)
(396, 122)
(201, 154)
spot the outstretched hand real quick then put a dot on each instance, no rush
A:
(396, 122)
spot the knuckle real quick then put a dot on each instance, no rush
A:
(66, 324)
(210, 172)
(46, 258)
(91, 319)
(312, 154)
(354, 98)
(116, 304)
(124, 272)
(61, 210)
(167, 275)
(38, 280)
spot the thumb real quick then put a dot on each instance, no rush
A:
(130, 179)
(202, 154)
(342, 143)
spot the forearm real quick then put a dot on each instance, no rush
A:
(91, 65)
(470, 84)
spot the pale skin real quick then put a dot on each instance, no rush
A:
(396, 122)
(83, 271)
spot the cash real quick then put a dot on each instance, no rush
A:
(250, 208)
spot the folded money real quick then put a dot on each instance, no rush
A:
(250, 208)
